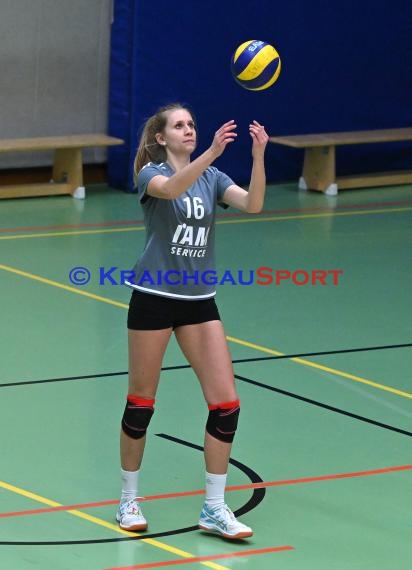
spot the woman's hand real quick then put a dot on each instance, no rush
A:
(259, 138)
(226, 134)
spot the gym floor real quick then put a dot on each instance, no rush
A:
(321, 464)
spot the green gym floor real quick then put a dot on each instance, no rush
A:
(321, 464)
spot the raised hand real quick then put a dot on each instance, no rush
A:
(259, 138)
(226, 134)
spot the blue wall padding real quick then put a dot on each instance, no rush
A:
(345, 66)
(121, 101)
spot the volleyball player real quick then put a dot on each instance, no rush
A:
(179, 199)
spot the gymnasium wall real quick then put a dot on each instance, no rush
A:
(54, 61)
(346, 66)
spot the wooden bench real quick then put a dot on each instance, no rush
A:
(319, 170)
(67, 174)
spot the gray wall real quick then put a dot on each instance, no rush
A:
(54, 63)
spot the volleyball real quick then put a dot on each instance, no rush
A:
(255, 65)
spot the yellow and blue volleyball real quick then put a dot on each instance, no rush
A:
(255, 65)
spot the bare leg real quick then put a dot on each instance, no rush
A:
(146, 351)
(205, 347)
(217, 455)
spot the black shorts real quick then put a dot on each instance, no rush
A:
(154, 312)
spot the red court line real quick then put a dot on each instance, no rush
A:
(221, 216)
(322, 478)
(75, 226)
(263, 484)
(203, 558)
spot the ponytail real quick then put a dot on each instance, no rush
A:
(149, 150)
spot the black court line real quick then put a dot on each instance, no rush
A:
(321, 405)
(236, 361)
(66, 379)
(257, 497)
(325, 352)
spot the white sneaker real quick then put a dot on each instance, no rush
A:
(130, 517)
(222, 521)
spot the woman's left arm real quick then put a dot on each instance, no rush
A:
(251, 201)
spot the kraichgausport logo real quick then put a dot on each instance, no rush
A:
(263, 276)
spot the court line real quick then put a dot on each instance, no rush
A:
(75, 233)
(203, 558)
(105, 524)
(62, 286)
(187, 366)
(219, 221)
(314, 216)
(272, 388)
(221, 216)
(253, 502)
(230, 338)
(325, 352)
(235, 340)
(256, 498)
(322, 405)
(105, 224)
(323, 368)
(245, 487)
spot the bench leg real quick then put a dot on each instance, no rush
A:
(68, 168)
(319, 170)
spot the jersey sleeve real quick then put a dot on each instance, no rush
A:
(223, 183)
(148, 171)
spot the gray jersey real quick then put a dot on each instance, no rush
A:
(179, 255)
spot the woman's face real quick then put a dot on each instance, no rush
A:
(179, 134)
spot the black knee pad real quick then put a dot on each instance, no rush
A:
(222, 420)
(137, 416)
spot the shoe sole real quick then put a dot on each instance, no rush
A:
(140, 526)
(239, 535)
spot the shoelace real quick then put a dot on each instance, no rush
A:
(132, 508)
(227, 516)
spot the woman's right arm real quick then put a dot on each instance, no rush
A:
(171, 188)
